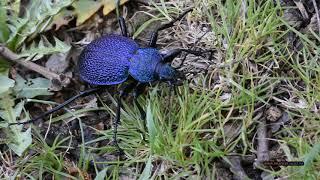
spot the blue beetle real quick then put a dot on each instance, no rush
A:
(111, 59)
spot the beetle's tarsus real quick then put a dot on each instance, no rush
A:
(116, 122)
(119, 150)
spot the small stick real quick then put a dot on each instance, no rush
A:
(12, 57)
(317, 13)
(263, 145)
(58, 80)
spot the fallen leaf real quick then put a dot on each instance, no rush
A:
(6, 83)
(57, 63)
(291, 104)
(84, 9)
(281, 121)
(63, 18)
(21, 142)
(17, 140)
(37, 50)
(32, 87)
(273, 114)
(101, 175)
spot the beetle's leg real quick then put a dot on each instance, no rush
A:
(123, 26)
(176, 52)
(84, 93)
(154, 35)
(124, 92)
(121, 21)
(138, 90)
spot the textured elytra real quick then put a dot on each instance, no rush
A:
(105, 61)
(143, 64)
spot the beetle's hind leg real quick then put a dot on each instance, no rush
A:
(154, 35)
(84, 93)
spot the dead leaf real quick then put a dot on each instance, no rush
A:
(57, 63)
(281, 121)
(292, 104)
(84, 9)
(63, 18)
(231, 131)
(273, 114)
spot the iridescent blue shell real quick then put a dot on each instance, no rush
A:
(105, 61)
(143, 64)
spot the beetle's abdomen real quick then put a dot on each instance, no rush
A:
(143, 64)
(105, 61)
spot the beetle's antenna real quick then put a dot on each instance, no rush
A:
(84, 93)
(196, 53)
(194, 44)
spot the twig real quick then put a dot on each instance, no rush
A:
(236, 168)
(302, 9)
(14, 58)
(263, 145)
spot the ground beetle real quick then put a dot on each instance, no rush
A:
(111, 59)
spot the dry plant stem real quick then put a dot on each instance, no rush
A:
(302, 9)
(236, 168)
(12, 57)
(263, 147)
(317, 13)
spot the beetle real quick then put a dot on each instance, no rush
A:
(112, 59)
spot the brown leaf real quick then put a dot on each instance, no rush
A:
(57, 63)
(273, 114)
(63, 18)
(84, 9)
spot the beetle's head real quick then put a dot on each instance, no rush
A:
(165, 72)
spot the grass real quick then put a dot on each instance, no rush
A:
(195, 133)
(177, 136)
